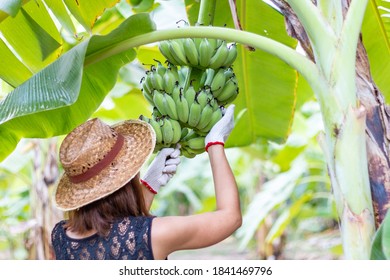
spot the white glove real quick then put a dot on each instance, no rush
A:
(222, 129)
(162, 169)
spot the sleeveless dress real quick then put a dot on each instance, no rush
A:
(128, 239)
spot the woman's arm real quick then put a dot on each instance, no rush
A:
(171, 234)
(225, 184)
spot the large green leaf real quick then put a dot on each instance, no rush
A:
(33, 35)
(86, 11)
(267, 84)
(376, 38)
(380, 249)
(66, 93)
(59, 10)
(32, 39)
(13, 71)
(386, 236)
(376, 249)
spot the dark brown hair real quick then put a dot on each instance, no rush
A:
(127, 201)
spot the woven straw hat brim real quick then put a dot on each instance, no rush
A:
(138, 146)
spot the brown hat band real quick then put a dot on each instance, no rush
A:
(98, 167)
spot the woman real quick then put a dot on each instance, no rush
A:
(108, 204)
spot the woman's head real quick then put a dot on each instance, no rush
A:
(99, 159)
(98, 215)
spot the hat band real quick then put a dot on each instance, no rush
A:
(98, 167)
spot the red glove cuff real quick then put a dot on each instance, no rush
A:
(148, 186)
(209, 144)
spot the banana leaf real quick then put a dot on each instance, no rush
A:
(65, 93)
(380, 249)
(267, 86)
(376, 39)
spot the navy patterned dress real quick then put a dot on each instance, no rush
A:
(128, 239)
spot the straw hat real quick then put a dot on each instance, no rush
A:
(98, 159)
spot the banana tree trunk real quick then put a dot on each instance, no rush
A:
(45, 214)
(367, 122)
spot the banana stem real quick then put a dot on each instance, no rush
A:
(333, 12)
(206, 12)
(301, 63)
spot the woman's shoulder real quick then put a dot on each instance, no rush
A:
(59, 225)
(58, 229)
(133, 223)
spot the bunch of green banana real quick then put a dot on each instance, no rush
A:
(201, 53)
(186, 102)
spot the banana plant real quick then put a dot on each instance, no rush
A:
(59, 83)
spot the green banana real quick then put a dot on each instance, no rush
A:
(184, 132)
(182, 109)
(228, 73)
(148, 96)
(169, 106)
(191, 52)
(203, 79)
(203, 96)
(213, 43)
(167, 131)
(219, 56)
(157, 80)
(219, 43)
(230, 89)
(209, 77)
(160, 68)
(195, 113)
(214, 104)
(231, 57)
(169, 81)
(205, 53)
(156, 113)
(205, 116)
(190, 94)
(215, 117)
(177, 51)
(196, 143)
(231, 99)
(158, 100)
(183, 72)
(174, 70)
(176, 131)
(156, 127)
(197, 42)
(148, 80)
(176, 92)
(191, 134)
(218, 82)
(165, 51)
(187, 153)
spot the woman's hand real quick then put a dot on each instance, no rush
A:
(222, 129)
(162, 169)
